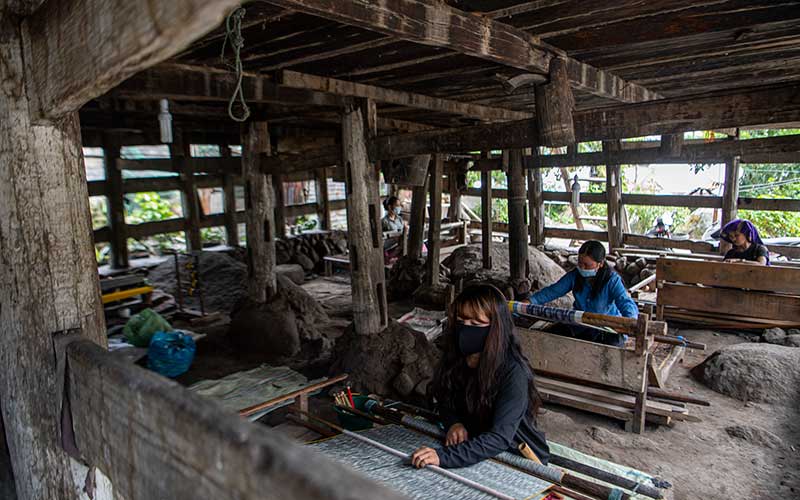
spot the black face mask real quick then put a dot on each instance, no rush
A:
(471, 339)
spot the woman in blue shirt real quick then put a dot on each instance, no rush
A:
(596, 288)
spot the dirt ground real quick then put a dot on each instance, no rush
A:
(700, 459)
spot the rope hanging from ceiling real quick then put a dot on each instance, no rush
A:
(233, 35)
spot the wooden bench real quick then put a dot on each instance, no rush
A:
(724, 294)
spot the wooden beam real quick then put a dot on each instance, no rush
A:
(323, 198)
(774, 279)
(435, 221)
(180, 154)
(518, 228)
(116, 203)
(48, 278)
(614, 195)
(203, 165)
(259, 205)
(229, 198)
(279, 186)
(401, 98)
(486, 217)
(77, 50)
(554, 107)
(114, 401)
(363, 222)
(730, 195)
(761, 106)
(416, 223)
(439, 25)
(575, 234)
(309, 160)
(535, 204)
(648, 242)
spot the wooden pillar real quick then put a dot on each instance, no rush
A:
(416, 224)
(517, 225)
(368, 281)
(280, 205)
(116, 203)
(576, 209)
(48, 277)
(260, 210)
(229, 197)
(554, 106)
(486, 216)
(671, 145)
(323, 199)
(730, 197)
(454, 210)
(435, 222)
(182, 160)
(535, 203)
(614, 206)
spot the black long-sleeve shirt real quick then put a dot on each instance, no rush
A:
(510, 424)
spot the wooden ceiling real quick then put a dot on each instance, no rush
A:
(673, 48)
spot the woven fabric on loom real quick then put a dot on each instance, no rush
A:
(420, 483)
(549, 313)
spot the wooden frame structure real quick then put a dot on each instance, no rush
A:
(361, 82)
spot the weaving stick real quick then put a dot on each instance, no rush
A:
(576, 317)
(435, 468)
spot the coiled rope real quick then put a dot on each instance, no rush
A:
(233, 34)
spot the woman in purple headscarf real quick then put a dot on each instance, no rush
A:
(747, 245)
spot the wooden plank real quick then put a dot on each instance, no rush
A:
(79, 49)
(575, 234)
(323, 198)
(777, 204)
(206, 165)
(440, 25)
(729, 274)
(727, 301)
(288, 163)
(48, 279)
(401, 98)
(116, 204)
(486, 217)
(518, 228)
(417, 218)
(279, 186)
(582, 360)
(730, 194)
(180, 153)
(614, 194)
(260, 213)
(670, 200)
(229, 199)
(666, 243)
(115, 402)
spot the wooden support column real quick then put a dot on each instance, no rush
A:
(435, 222)
(535, 203)
(576, 209)
(671, 145)
(323, 199)
(614, 206)
(182, 159)
(280, 205)
(260, 210)
(554, 106)
(517, 225)
(730, 196)
(116, 203)
(48, 276)
(486, 216)
(454, 210)
(416, 225)
(229, 195)
(365, 238)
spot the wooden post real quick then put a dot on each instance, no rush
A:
(517, 225)
(535, 203)
(671, 145)
(368, 280)
(576, 209)
(614, 196)
(229, 195)
(116, 203)
(730, 196)
(280, 206)
(181, 157)
(48, 277)
(454, 210)
(260, 210)
(435, 222)
(416, 222)
(323, 199)
(554, 106)
(486, 216)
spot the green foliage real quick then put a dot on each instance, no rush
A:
(149, 207)
(98, 206)
(215, 235)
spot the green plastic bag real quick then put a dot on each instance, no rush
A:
(141, 327)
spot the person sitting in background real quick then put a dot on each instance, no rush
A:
(596, 288)
(392, 222)
(747, 245)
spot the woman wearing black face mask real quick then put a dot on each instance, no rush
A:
(484, 387)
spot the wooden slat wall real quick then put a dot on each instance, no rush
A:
(730, 301)
(155, 439)
(733, 275)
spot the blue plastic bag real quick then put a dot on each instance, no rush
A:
(170, 353)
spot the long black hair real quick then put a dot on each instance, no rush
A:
(454, 378)
(389, 202)
(597, 252)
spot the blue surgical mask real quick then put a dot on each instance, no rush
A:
(397, 210)
(587, 273)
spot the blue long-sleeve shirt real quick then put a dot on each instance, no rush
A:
(612, 300)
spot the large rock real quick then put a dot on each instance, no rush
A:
(754, 372)
(792, 341)
(774, 336)
(292, 271)
(467, 263)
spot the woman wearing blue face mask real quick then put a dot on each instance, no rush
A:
(596, 288)
(484, 388)
(392, 221)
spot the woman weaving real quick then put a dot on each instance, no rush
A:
(747, 245)
(597, 289)
(484, 387)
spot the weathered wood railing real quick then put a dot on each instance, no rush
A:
(155, 439)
